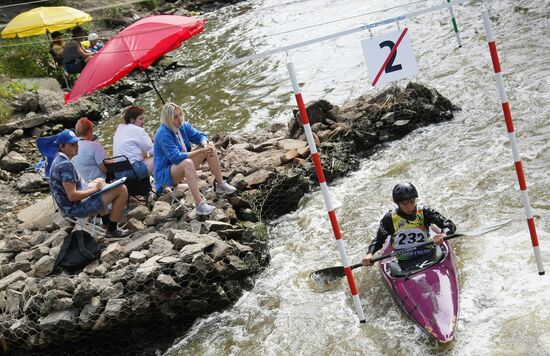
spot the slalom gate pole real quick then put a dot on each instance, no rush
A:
(324, 191)
(512, 138)
(455, 26)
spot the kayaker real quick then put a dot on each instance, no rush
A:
(408, 226)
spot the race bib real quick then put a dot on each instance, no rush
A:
(409, 238)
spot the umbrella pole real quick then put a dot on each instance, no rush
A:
(154, 87)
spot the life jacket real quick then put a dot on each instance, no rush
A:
(408, 234)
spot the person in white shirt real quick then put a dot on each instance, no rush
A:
(89, 162)
(132, 141)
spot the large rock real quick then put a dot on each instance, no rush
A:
(30, 182)
(257, 178)
(161, 211)
(140, 243)
(44, 266)
(39, 215)
(12, 278)
(14, 162)
(59, 321)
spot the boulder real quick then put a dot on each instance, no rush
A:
(59, 321)
(39, 215)
(112, 253)
(14, 162)
(161, 211)
(140, 243)
(257, 178)
(44, 266)
(30, 182)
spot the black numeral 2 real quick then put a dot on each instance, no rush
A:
(390, 67)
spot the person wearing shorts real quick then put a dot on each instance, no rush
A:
(131, 140)
(73, 195)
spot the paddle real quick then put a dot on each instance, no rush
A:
(338, 271)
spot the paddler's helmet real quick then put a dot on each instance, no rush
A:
(403, 191)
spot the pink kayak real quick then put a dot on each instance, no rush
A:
(427, 291)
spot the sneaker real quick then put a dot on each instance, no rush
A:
(118, 234)
(225, 187)
(204, 208)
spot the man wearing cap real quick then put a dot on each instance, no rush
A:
(95, 43)
(72, 193)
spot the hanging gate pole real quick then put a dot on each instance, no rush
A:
(324, 191)
(455, 26)
(513, 141)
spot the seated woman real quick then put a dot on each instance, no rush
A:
(174, 159)
(56, 47)
(75, 56)
(132, 141)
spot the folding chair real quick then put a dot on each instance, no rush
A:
(89, 224)
(122, 165)
(47, 147)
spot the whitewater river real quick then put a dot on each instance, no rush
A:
(463, 168)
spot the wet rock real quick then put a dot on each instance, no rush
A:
(14, 162)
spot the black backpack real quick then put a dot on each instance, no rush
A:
(77, 251)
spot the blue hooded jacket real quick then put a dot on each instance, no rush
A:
(168, 151)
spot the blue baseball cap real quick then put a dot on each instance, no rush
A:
(66, 136)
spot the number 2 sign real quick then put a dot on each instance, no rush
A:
(389, 57)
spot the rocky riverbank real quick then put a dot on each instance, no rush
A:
(177, 266)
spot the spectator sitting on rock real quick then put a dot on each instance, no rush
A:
(174, 159)
(73, 195)
(56, 47)
(89, 161)
(95, 43)
(74, 55)
(132, 141)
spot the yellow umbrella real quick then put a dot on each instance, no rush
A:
(40, 20)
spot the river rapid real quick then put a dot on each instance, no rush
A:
(463, 168)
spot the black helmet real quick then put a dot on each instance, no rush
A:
(403, 191)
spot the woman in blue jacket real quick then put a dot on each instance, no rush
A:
(174, 159)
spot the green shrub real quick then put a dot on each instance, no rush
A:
(26, 57)
(150, 4)
(8, 90)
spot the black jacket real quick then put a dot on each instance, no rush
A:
(386, 225)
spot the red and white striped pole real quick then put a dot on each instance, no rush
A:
(512, 138)
(324, 191)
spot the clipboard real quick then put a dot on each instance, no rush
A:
(109, 186)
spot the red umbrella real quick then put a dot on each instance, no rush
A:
(137, 46)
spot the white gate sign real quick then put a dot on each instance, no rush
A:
(389, 57)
